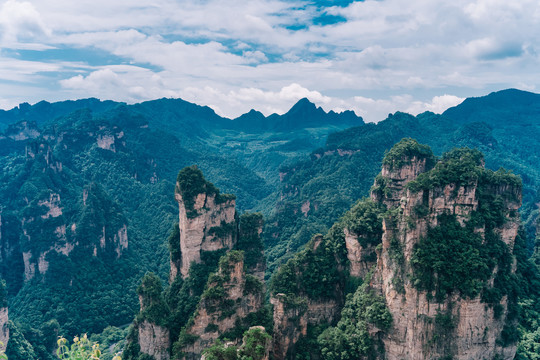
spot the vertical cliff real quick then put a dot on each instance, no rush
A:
(308, 291)
(231, 296)
(433, 251)
(151, 323)
(216, 280)
(4, 316)
(207, 219)
(446, 258)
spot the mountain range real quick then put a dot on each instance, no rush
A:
(86, 188)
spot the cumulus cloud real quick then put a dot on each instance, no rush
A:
(266, 54)
(122, 83)
(21, 22)
(437, 105)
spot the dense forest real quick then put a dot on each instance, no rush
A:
(86, 207)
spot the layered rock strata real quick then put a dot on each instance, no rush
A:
(435, 242)
(231, 295)
(207, 221)
(154, 340)
(4, 329)
(464, 327)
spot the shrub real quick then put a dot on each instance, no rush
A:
(81, 349)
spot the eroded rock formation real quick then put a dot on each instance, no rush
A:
(231, 295)
(435, 244)
(460, 324)
(4, 330)
(207, 219)
(214, 300)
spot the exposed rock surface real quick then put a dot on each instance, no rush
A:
(198, 233)
(227, 300)
(291, 322)
(415, 333)
(209, 230)
(417, 204)
(4, 330)
(154, 340)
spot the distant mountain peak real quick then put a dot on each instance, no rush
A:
(303, 105)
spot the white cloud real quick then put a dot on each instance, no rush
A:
(235, 55)
(20, 22)
(122, 83)
(437, 105)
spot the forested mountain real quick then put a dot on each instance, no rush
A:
(85, 190)
(85, 205)
(315, 191)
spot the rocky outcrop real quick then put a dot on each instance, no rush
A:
(4, 318)
(304, 295)
(464, 327)
(23, 130)
(154, 340)
(433, 245)
(230, 296)
(153, 336)
(291, 320)
(228, 252)
(207, 219)
(60, 231)
(4, 330)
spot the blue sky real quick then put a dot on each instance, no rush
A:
(374, 57)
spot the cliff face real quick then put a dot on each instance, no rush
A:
(207, 220)
(85, 228)
(462, 322)
(154, 340)
(306, 292)
(291, 321)
(230, 296)
(4, 330)
(433, 246)
(217, 273)
(153, 336)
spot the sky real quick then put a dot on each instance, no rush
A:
(373, 57)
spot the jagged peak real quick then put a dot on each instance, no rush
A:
(303, 105)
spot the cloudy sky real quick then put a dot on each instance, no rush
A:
(374, 57)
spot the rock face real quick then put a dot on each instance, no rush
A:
(4, 330)
(298, 307)
(207, 221)
(291, 322)
(152, 335)
(434, 243)
(231, 295)
(228, 252)
(154, 340)
(463, 327)
(63, 233)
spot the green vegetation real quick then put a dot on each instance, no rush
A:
(131, 185)
(81, 349)
(190, 182)
(405, 151)
(453, 257)
(365, 220)
(3, 294)
(249, 239)
(254, 346)
(314, 271)
(153, 306)
(350, 338)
